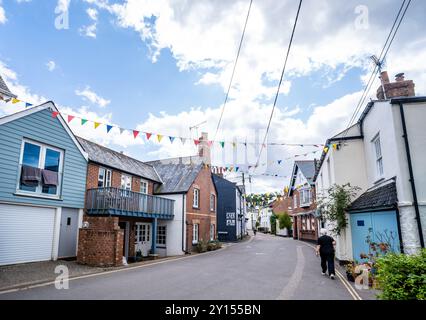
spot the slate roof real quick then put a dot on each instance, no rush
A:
(4, 89)
(176, 177)
(117, 160)
(308, 169)
(381, 198)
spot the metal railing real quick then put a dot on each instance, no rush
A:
(105, 199)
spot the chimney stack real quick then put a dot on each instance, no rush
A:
(204, 148)
(399, 88)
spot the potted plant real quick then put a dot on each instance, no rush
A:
(350, 271)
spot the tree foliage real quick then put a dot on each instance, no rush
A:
(333, 206)
(261, 199)
(284, 221)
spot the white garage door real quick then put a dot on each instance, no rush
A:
(26, 233)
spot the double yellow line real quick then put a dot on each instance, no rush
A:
(345, 282)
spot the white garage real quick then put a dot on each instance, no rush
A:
(26, 233)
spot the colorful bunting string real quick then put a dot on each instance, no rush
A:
(109, 127)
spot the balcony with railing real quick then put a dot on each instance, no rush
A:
(120, 202)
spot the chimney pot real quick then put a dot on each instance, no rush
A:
(399, 77)
(385, 77)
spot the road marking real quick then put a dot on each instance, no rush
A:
(345, 282)
(44, 284)
(295, 278)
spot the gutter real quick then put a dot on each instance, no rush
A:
(410, 170)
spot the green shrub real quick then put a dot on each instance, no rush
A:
(402, 277)
(213, 245)
(201, 246)
(284, 221)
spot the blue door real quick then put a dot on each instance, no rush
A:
(381, 226)
(361, 226)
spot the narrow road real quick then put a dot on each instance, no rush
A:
(266, 267)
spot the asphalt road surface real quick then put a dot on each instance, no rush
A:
(265, 267)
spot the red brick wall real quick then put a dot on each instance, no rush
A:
(312, 233)
(102, 243)
(93, 174)
(202, 215)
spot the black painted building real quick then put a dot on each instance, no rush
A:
(230, 210)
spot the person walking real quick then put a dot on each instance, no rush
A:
(254, 231)
(325, 249)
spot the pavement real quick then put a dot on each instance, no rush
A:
(263, 268)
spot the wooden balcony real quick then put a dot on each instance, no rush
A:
(120, 202)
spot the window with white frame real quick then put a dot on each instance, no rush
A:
(295, 201)
(161, 235)
(212, 232)
(40, 169)
(378, 154)
(212, 202)
(305, 197)
(196, 198)
(104, 178)
(126, 182)
(144, 187)
(195, 233)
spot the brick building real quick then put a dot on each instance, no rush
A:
(136, 209)
(122, 216)
(302, 195)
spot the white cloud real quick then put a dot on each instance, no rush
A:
(3, 18)
(93, 97)
(62, 6)
(90, 30)
(51, 65)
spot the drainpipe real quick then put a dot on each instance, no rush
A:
(183, 223)
(398, 223)
(410, 169)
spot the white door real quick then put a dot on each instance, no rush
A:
(143, 238)
(26, 233)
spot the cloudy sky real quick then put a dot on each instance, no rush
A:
(164, 66)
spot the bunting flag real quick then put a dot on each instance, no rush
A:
(236, 169)
(172, 138)
(334, 146)
(279, 161)
(135, 133)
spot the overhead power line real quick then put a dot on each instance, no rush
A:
(389, 40)
(281, 80)
(233, 71)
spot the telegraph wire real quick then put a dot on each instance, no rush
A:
(233, 71)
